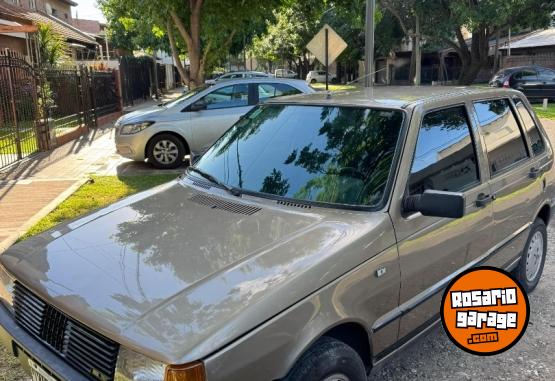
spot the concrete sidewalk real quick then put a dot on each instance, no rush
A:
(35, 186)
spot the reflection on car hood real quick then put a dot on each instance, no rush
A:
(141, 115)
(176, 279)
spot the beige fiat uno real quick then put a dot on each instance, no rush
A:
(310, 243)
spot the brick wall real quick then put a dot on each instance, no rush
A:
(541, 59)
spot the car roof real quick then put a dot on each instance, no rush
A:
(259, 80)
(394, 96)
(516, 68)
(244, 72)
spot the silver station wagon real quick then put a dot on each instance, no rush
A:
(311, 242)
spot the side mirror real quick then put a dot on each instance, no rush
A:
(434, 203)
(197, 106)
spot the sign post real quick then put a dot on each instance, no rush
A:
(327, 60)
(326, 46)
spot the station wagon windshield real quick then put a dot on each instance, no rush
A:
(338, 155)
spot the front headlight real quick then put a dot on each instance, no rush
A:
(132, 366)
(6, 288)
(133, 128)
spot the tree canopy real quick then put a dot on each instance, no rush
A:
(277, 31)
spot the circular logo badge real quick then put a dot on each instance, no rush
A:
(485, 311)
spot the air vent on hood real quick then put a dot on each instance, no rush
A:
(294, 204)
(228, 206)
(202, 184)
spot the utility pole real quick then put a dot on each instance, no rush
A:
(369, 46)
(418, 52)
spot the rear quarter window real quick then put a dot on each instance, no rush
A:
(505, 143)
(536, 139)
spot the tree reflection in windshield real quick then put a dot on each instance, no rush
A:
(327, 154)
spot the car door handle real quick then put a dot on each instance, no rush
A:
(535, 173)
(484, 199)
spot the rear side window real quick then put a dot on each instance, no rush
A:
(445, 157)
(536, 140)
(272, 90)
(526, 75)
(504, 141)
(546, 75)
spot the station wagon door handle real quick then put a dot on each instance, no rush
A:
(484, 199)
(535, 173)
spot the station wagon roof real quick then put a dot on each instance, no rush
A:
(391, 96)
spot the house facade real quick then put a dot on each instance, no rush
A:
(535, 48)
(56, 13)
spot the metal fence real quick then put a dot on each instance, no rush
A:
(136, 74)
(18, 108)
(79, 96)
(37, 104)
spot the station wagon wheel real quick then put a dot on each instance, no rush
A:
(531, 264)
(166, 151)
(328, 360)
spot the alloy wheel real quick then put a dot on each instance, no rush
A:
(165, 152)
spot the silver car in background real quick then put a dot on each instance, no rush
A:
(238, 75)
(189, 125)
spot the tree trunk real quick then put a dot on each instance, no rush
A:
(477, 59)
(181, 70)
(192, 40)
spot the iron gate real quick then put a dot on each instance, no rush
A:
(18, 108)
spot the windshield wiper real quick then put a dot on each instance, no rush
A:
(231, 190)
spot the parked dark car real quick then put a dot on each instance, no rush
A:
(535, 82)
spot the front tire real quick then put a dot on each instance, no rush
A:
(328, 360)
(313, 81)
(166, 151)
(530, 268)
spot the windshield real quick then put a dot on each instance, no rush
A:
(185, 96)
(339, 155)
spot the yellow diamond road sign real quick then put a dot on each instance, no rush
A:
(336, 45)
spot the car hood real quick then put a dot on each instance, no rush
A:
(142, 115)
(175, 273)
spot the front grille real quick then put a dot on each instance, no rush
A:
(87, 351)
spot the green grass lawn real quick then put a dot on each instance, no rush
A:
(27, 137)
(546, 114)
(100, 191)
(332, 87)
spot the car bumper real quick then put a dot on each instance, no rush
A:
(22, 345)
(132, 146)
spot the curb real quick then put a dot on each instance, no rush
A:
(6, 243)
